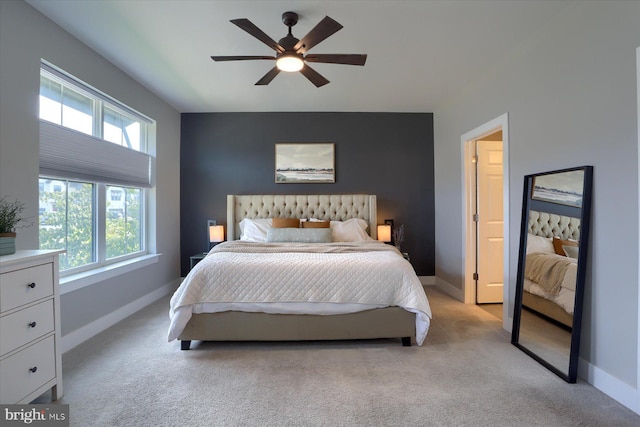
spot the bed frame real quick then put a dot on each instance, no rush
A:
(389, 322)
(550, 225)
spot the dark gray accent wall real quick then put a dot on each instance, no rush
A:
(387, 154)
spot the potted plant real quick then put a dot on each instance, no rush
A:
(10, 216)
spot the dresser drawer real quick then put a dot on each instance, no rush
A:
(26, 325)
(24, 286)
(18, 378)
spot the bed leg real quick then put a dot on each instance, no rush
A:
(406, 341)
(185, 344)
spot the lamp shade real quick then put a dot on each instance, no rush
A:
(384, 233)
(216, 233)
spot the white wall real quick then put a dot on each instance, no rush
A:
(570, 94)
(26, 36)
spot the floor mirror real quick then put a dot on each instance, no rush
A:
(552, 262)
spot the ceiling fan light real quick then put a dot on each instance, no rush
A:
(289, 63)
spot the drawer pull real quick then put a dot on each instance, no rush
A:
(32, 285)
(33, 370)
(32, 324)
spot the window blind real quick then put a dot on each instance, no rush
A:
(65, 153)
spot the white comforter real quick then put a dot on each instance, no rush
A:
(287, 278)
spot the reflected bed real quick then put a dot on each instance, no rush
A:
(550, 288)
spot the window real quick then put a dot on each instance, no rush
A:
(65, 106)
(124, 222)
(94, 173)
(122, 129)
(67, 220)
(115, 195)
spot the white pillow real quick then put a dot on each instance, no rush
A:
(254, 230)
(570, 251)
(539, 244)
(351, 230)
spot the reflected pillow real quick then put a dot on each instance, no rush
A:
(299, 235)
(570, 251)
(285, 223)
(539, 244)
(559, 243)
(254, 230)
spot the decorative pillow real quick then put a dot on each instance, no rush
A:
(316, 224)
(285, 223)
(570, 251)
(299, 235)
(539, 244)
(254, 230)
(351, 230)
(559, 243)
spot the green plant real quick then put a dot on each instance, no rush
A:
(10, 215)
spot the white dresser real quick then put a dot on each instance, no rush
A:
(30, 346)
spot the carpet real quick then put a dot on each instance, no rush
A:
(466, 374)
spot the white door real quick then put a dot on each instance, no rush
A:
(489, 221)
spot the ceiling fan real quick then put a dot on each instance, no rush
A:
(291, 53)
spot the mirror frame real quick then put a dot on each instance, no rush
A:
(585, 220)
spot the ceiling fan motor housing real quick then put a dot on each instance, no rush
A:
(288, 42)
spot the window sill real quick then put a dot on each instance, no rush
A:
(87, 278)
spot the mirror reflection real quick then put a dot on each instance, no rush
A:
(551, 268)
(549, 286)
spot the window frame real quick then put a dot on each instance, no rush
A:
(101, 263)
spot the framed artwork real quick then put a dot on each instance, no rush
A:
(305, 163)
(564, 188)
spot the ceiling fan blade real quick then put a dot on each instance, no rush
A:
(256, 32)
(348, 59)
(324, 29)
(313, 76)
(266, 79)
(240, 58)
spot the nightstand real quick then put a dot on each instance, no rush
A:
(194, 259)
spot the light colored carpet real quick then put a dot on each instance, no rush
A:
(466, 374)
(493, 309)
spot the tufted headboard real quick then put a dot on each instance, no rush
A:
(552, 225)
(335, 207)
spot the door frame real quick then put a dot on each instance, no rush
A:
(468, 141)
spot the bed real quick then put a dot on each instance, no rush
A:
(551, 266)
(267, 283)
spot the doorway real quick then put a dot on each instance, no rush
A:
(486, 220)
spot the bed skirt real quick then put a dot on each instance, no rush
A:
(389, 322)
(547, 308)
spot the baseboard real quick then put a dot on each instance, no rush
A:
(609, 385)
(86, 332)
(449, 289)
(427, 280)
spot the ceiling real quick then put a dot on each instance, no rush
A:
(420, 53)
